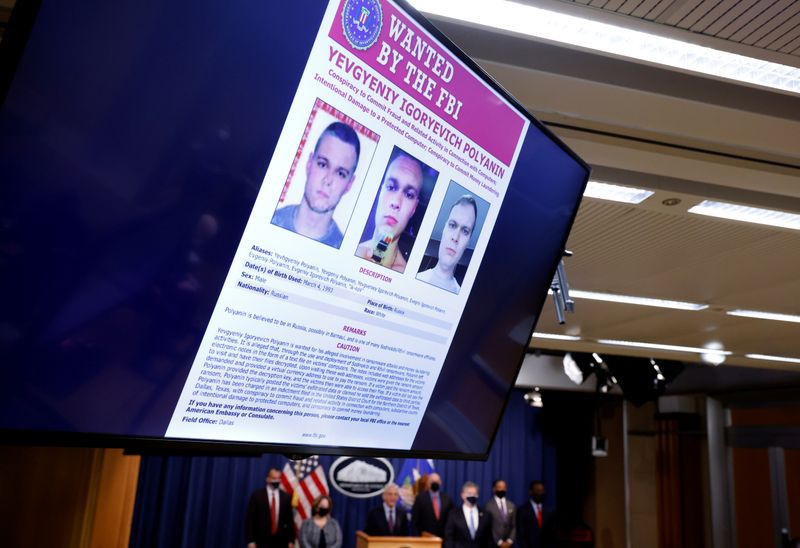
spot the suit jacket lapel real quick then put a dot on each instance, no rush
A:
(462, 521)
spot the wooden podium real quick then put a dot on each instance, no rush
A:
(427, 540)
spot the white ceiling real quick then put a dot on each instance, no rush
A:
(684, 136)
(773, 25)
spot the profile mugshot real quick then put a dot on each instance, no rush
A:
(330, 169)
(397, 211)
(458, 224)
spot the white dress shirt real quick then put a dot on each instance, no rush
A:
(471, 513)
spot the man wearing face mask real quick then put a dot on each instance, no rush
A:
(468, 527)
(431, 509)
(502, 510)
(269, 522)
(535, 524)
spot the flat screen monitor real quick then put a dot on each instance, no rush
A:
(303, 227)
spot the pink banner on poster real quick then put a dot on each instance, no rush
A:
(408, 57)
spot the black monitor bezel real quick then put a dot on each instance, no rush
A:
(12, 47)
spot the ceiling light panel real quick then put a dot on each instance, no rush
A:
(772, 358)
(734, 212)
(669, 347)
(629, 299)
(616, 193)
(764, 315)
(555, 336)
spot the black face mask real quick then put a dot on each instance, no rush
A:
(435, 486)
(500, 494)
(472, 500)
(275, 484)
(538, 499)
(322, 512)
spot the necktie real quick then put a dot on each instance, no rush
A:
(539, 515)
(391, 520)
(472, 524)
(503, 508)
(273, 509)
(435, 500)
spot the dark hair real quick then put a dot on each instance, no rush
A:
(534, 483)
(467, 199)
(495, 482)
(317, 501)
(344, 133)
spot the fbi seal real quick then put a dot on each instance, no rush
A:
(361, 22)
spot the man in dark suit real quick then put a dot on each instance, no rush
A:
(431, 509)
(467, 526)
(535, 523)
(387, 519)
(504, 518)
(269, 522)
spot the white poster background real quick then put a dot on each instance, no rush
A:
(413, 335)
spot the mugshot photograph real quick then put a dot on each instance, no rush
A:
(321, 190)
(449, 250)
(400, 203)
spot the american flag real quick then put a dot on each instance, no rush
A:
(305, 486)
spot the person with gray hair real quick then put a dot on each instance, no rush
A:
(388, 519)
(456, 234)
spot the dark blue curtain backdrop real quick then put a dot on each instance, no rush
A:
(201, 501)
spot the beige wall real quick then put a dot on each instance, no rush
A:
(605, 507)
(66, 497)
(642, 475)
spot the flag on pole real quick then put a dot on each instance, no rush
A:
(304, 485)
(412, 470)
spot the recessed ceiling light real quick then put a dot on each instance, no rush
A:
(555, 336)
(643, 301)
(772, 358)
(747, 214)
(764, 315)
(712, 355)
(584, 33)
(657, 346)
(616, 193)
